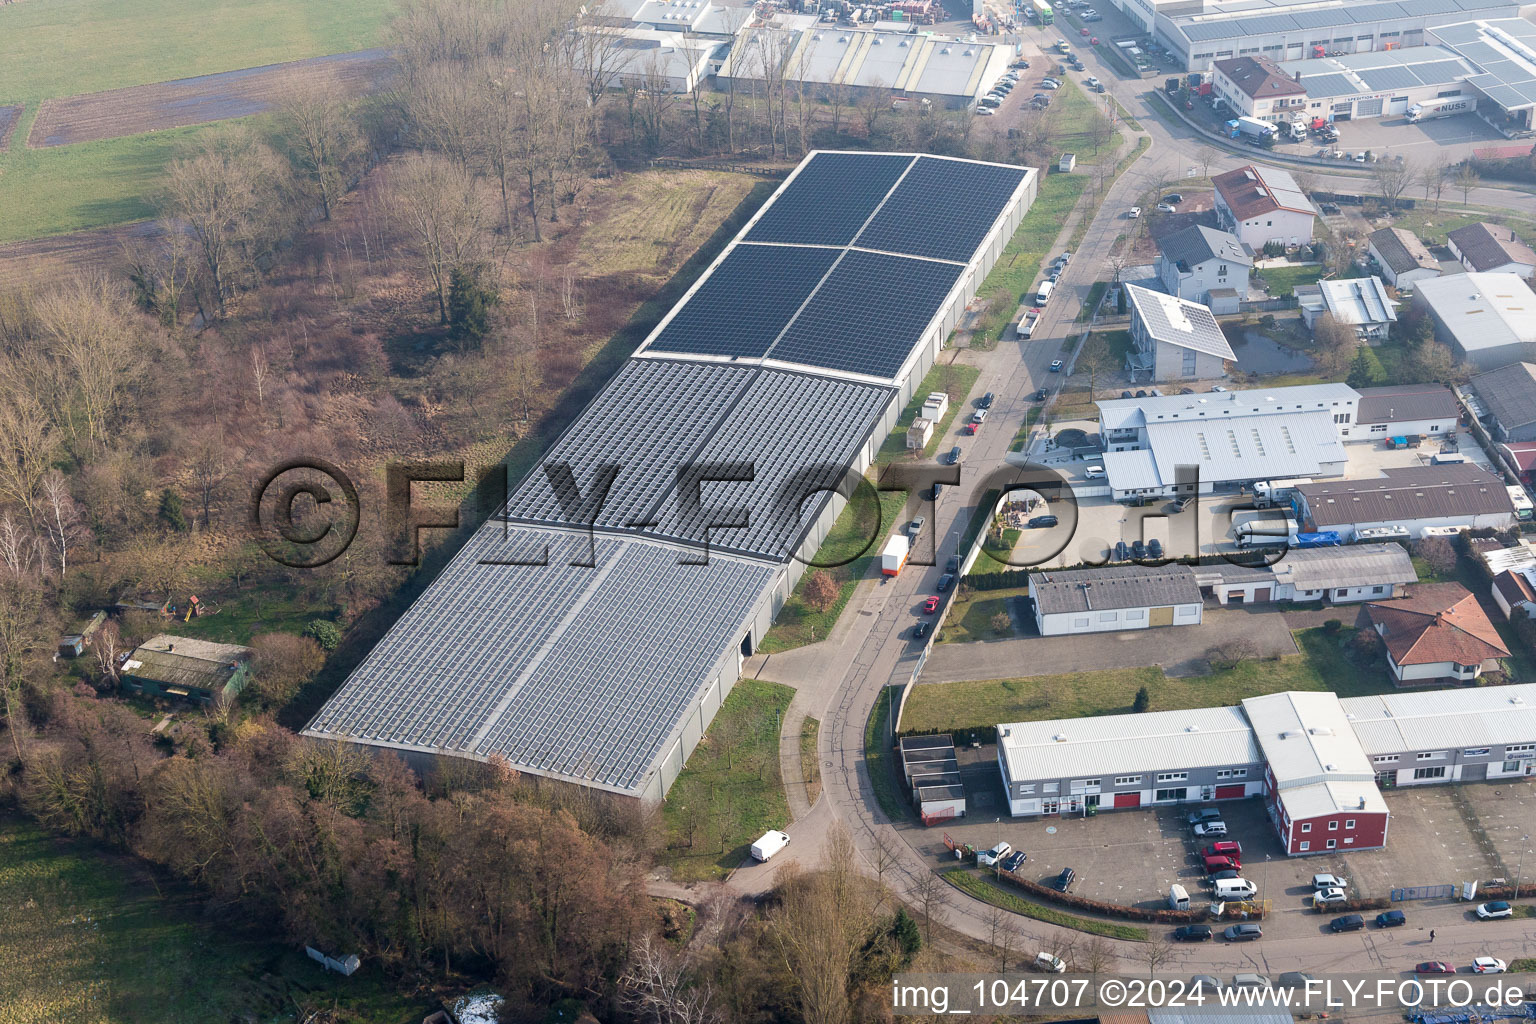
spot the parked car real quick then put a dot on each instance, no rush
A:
(1094, 472)
(1155, 548)
(1122, 551)
(1192, 933)
(1225, 848)
(1249, 980)
(1049, 963)
(985, 111)
(1020, 64)
(953, 565)
(1433, 967)
(1489, 965)
(1243, 932)
(986, 858)
(1211, 828)
(980, 415)
(1323, 897)
(1174, 198)
(1296, 980)
(945, 581)
(1225, 876)
(920, 630)
(1346, 923)
(970, 429)
(1330, 208)
(1064, 880)
(1093, 82)
(1498, 908)
(1329, 882)
(931, 605)
(1214, 864)
(988, 101)
(1162, 207)
(1014, 860)
(1138, 549)
(1134, 212)
(1203, 983)
(1050, 83)
(1041, 395)
(1391, 919)
(986, 400)
(1042, 522)
(954, 456)
(1056, 365)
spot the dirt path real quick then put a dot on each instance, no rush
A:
(186, 101)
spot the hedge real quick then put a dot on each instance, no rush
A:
(1161, 915)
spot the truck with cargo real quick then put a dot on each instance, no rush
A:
(894, 557)
(1250, 126)
(1273, 493)
(1444, 107)
(1028, 322)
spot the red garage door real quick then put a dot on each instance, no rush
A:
(1229, 792)
(1127, 799)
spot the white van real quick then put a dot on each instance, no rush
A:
(1235, 889)
(1178, 897)
(1044, 294)
(772, 842)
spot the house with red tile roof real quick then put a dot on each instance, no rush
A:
(1440, 634)
(1263, 204)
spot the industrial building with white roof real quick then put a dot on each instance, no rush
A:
(1230, 437)
(1319, 762)
(590, 631)
(1488, 320)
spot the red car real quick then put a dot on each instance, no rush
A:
(1434, 967)
(1082, 31)
(1215, 864)
(931, 605)
(1226, 848)
(970, 429)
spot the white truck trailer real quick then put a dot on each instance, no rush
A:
(894, 557)
(1445, 107)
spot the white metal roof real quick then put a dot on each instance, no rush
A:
(1321, 798)
(1358, 565)
(1307, 739)
(1395, 723)
(1357, 301)
(1138, 412)
(1131, 470)
(1120, 744)
(1482, 310)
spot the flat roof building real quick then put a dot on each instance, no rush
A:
(1381, 83)
(1487, 320)
(1508, 398)
(1412, 497)
(1502, 51)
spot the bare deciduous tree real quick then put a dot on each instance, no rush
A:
(440, 207)
(323, 136)
(60, 517)
(661, 986)
(1393, 179)
(1466, 180)
(27, 443)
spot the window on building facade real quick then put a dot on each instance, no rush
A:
(1172, 776)
(1127, 780)
(1305, 847)
(1306, 826)
(1385, 758)
(1431, 755)
(1475, 752)
(1520, 748)
(1333, 826)
(1171, 794)
(1437, 772)
(1349, 823)
(1333, 844)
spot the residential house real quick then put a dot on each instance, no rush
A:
(1507, 396)
(181, 668)
(1175, 339)
(1196, 261)
(1399, 409)
(1491, 249)
(1114, 598)
(1403, 258)
(1514, 591)
(1263, 204)
(1358, 302)
(1439, 634)
(1487, 320)
(1461, 495)
(1258, 87)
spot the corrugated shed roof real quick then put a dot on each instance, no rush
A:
(1485, 716)
(1407, 493)
(1509, 393)
(1119, 586)
(1358, 301)
(1122, 413)
(1488, 246)
(1400, 403)
(1131, 470)
(184, 661)
(1247, 448)
(1306, 739)
(1179, 322)
(1358, 565)
(1441, 622)
(1119, 744)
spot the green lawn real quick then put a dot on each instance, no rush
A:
(61, 48)
(855, 539)
(880, 758)
(731, 791)
(970, 617)
(1095, 296)
(1322, 665)
(89, 938)
(1019, 265)
(973, 882)
(1283, 280)
(810, 760)
(955, 380)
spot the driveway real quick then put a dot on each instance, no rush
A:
(1178, 650)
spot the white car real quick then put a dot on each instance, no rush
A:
(1093, 83)
(1050, 84)
(1094, 472)
(1332, 895)
(1488, 965)
(1498, 908)
(1049, 963)
(987, 858)
(1328, 882)
(1134, 212)
(985, 112)
(979, 416)
(1211, 828)
(1166, 208)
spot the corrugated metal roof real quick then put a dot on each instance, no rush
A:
(1397, 723)
(1133, 470)
(1117, 586)
(1509, 393)
(1306, 739)
(1358, 301)
(1121, 413)
(1321, 798)
(1359, 565)
(1248, 448)
(1405, 494)
(1119, 744)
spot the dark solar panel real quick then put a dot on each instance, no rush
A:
(942, 209)
(871, 311)
(745, 303)
(830, 199)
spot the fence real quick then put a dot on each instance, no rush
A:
(1268, 305)
(737, 168)
(1423, 892)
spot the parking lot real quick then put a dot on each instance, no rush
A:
(1132, 857)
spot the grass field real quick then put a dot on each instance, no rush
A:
(62, 48)
(655, 215)
(810, 763)
(956, 381)
(87, 939)
(880, 759)
(970, 618)
(731, 791)
(1283, 280)
(1019, 264)
(973, 883)
(1322, 665)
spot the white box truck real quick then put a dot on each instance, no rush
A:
(1441, 108)
(894, 557)
(772, 842)
(1178, 897)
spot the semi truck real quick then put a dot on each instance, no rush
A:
(1273, 493)
(1441, 108)
(894, 557)
(1250, 126)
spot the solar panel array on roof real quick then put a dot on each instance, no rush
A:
(830, 199)
(1283, 20)
(867, 316)
(1328, 85)
(942, 209)
(1383, 79)
(740, 308)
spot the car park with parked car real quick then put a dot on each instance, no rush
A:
(1064, 881)
(1243, 932)
(1192, 933)
(1042, 522)
(1346, 923)
(1050, 963)
(1014, 860)
(1489, 965)
(1391, 919)
(1495, 909)
(931, 605)
(987, 858)
(1211, 828)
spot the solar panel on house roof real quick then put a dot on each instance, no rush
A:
(745, 302)
(1329, 85)
(830, 199)
(1383, 79)
(1436, 71)
(869, 314)
(942, 208)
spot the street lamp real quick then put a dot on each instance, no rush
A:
(1521, 868)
